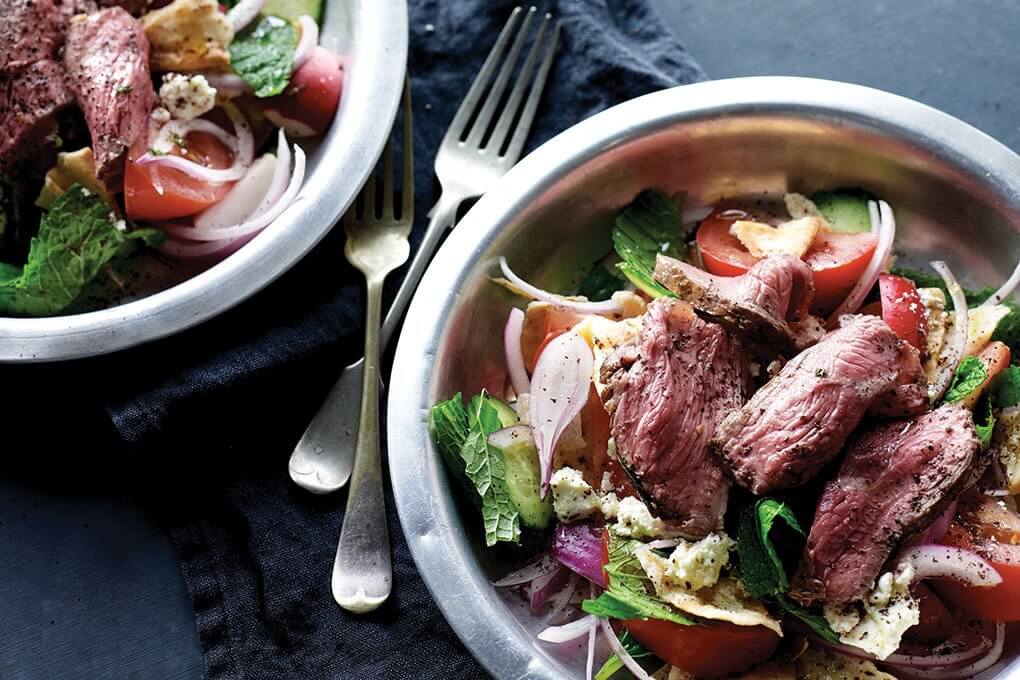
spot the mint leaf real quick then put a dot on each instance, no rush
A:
(1005, 389)
(969, 376)
(986, 426)
(483, 465)
(614, 664)
(816, 622)
(264, 55)
(650, 225)
(448, 425)
(77, 237)
(9, 272)
(630, 594)
(600, 284)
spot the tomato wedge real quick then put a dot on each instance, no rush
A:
(903, 310)
(837, 259)
(987, 526)
(705, 650)
(160, 193)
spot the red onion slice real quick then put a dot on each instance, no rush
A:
(242, 14)
(915, 665)
(952, 349)
(568, 631)
(939, 527)
(294, 127)
(243, 198)
(883, 225)
(606, 307)
(593, 627)
(559, 390)
(946, 562)
(951, 672)
(1006, 289)
(578, 547)
(544, 587)
(512, 352)
(242, 130)
(628, 661)
(935, 660)
(540, 566)
(560, 601)
(309, 39)
(194, 250)
(193, 169)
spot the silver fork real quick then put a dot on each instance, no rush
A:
(376, 245)
(467, 164)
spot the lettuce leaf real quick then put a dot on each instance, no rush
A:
(77, 237)
(648, 226)
(264, 55)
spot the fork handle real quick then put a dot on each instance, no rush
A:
(443, 216)
(362, 574)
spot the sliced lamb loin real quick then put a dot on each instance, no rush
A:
(32, 31)
(28, 101)
(896, 479)
(800, 419)
(107, 60)
(760, 304)
(665, 394)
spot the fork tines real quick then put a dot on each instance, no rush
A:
(475, 127)
(372, 206)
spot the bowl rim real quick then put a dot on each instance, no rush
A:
(426, 508)
(347, 154)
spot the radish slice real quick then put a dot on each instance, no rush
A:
(242, 14)
(568, 631)
(946, 562)
(309, 39)
(883, 225)
(559, 390)
(607, 307)
(512, 352)
(628, 661)
(1006, 289)
(540, 566)
(952, 349)
(243, 198)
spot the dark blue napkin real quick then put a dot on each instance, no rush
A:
(207, 420)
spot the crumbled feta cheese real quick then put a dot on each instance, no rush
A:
(573, 498)
(161, 115)
(610, 505)
(186, 97)
(697, 565)
(877, 624)
(634, 519)
(607, 483)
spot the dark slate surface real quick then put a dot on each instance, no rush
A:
(89, 587)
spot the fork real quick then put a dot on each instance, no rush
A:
(376, 244)
(469, 161)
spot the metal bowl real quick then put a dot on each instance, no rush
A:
(955, 192)
(371, 37)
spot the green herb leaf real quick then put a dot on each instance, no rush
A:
(986, 426)
(614, 664)
(448, 424)
(647, 227)
(631, 594)
(600, 284)
(77, 237)
(1005, 389)
(483, 465)
(816, 622)
(969, 376)
(264, 55)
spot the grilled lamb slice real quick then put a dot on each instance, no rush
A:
(666, 393)
(33, 30)
(896, 479)
(760, 304)
(28, 102)
(800, 419)
(107, 60)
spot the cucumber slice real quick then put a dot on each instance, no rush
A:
(523, 474)
(507, 414)
(292, 9)
(845, 209)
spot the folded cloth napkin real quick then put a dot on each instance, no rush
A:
(210, 416)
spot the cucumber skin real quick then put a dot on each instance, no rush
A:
(507, 415)
(292, 9)
(846, 210)
(520, 461)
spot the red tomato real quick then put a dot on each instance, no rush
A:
(705, 650)
(595, 428)
(936, 623)
(837, 259)
(986, 527)
(903, 310)
(310, 102)
(178, 194)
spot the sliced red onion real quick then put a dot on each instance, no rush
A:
(606, 307)
(540, 566)
(559, 390)
(628, 661)
(916, 665)
(294, 127)
(242, 130)
(241, 143)
(512, 352)
(947, 562)
(258, 221)
(544, 587)
(952, 349)
(227, 84)
(242, 14)
(561, 599)
(243, 198)
(579, 548)
(309, 39)
(952, 672)
(695, 214)
(939, 527)
(194, 250)
(734, 214)
(593, 627)
(568, 631)
(1007, 288)
(196, 170)
(883, 225)
(933, 660)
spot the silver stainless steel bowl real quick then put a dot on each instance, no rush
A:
(956, 196)
(371, 37)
